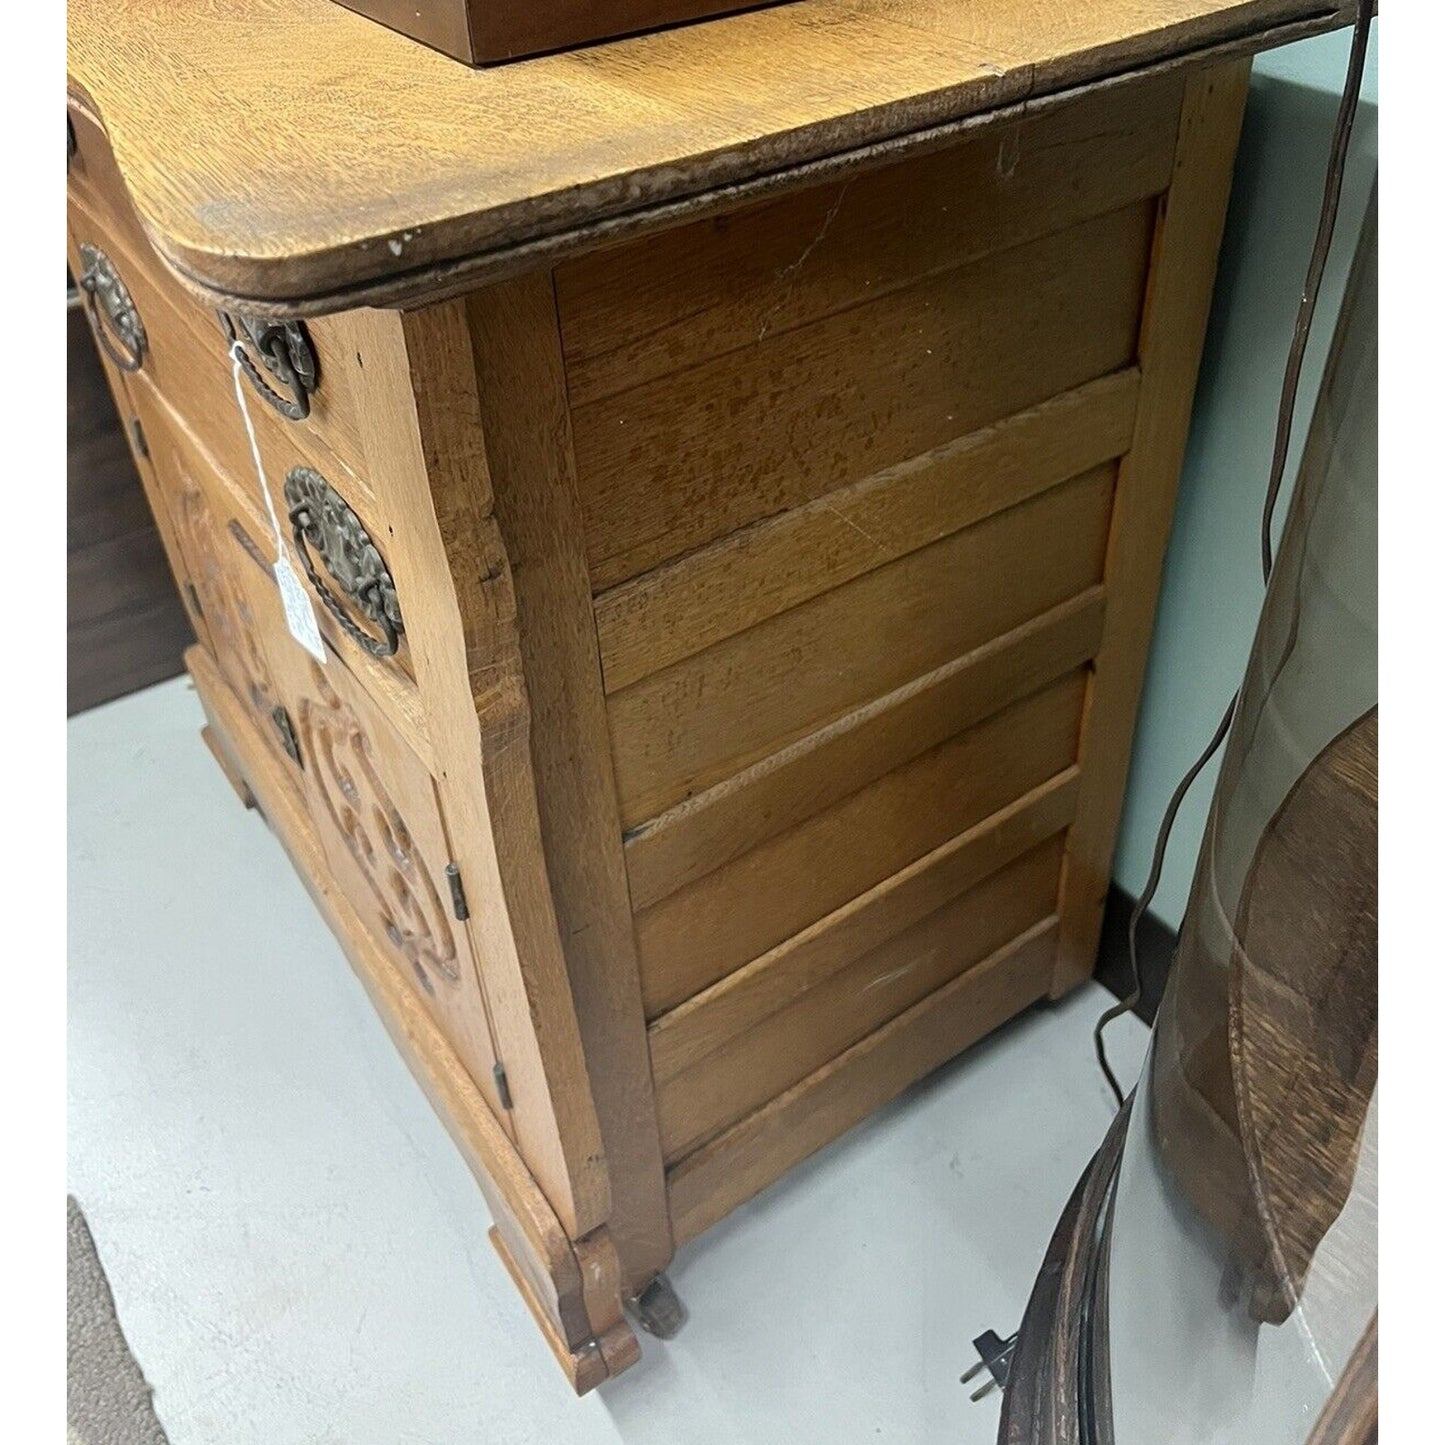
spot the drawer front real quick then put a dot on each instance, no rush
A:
(186, 352)
(185, 358)
(225, 576)
(176, 453)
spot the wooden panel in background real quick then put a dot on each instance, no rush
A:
(717, 924)
(631, 314)
(708, 717)
(671, 465)
(125, 625)
(714, 1180)
(779, 1049)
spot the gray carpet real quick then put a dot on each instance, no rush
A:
(108, 1400)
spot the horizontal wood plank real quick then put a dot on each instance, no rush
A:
(708, 1020)
(737, 912)
(710, 716)
(672, 465)
(714, 1180)
(634, 313)
(718, 825)
(723, 589)
(863, 993)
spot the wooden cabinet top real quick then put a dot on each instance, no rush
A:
(289, 154)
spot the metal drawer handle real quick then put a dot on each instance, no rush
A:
(286, 354)
(117, 323)
(321, 522)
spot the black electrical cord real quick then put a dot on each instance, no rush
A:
(1324, 234)
(1304, 320)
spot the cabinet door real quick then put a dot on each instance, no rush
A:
(379, 821)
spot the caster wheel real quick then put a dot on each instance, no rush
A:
(658, 1309)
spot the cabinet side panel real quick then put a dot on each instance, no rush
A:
(525, 421)
(1176, 311)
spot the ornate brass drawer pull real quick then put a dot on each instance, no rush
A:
(321, 522)
(286, 353)
(117, 323)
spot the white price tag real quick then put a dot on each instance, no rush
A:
(300, 615)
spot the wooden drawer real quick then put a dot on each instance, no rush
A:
(176, 455)
(185, 358)
(186, 352)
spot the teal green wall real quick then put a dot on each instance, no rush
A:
(1212, 588)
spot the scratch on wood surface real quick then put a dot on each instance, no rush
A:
(790, 271)
(849, 522)
(1007, 160)
(884, 979)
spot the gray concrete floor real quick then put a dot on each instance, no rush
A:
(299, 1255)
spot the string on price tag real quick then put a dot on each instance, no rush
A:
(300, 614)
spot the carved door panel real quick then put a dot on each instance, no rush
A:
(380, 826)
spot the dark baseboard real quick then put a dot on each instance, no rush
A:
(1157, 942)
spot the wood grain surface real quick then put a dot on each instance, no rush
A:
(741, 1073)
(293, 152)
(714, 1180)
(1171, 339)
(523, 394)
(731, 915)
(680, 462)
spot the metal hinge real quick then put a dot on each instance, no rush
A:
(499, 1078)
(459, 897)
(138, 436)
(286, 733)
(194, 598)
